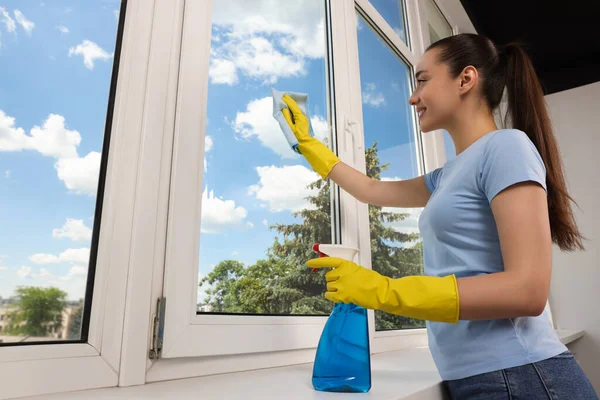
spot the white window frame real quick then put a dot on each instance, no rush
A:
(30, 370)
(196, 345)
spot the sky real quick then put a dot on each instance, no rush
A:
(56, 62)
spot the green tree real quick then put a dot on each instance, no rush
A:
(37, 311)
(282, 284)
(391, 254)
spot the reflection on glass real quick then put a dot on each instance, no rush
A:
(391, 154)
(56, 62)
(263, 207)
(393, 12)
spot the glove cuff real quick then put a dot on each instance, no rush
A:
(319, 156)
(428, 298)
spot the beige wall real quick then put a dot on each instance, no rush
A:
(575, 292)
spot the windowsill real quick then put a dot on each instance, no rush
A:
(396, 375)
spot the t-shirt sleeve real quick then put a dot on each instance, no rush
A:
(432, 179)
(510, 158)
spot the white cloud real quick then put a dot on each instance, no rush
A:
(223, 71)
(408, 225)
(90, 52)
(52, 139)
(2, 268)
(7, 173)
(208, 143)
(116, 14)
(43, 274)
(80, 174)
(359, 24)
(284, 188)
(26, 24)
(24, 272)
(11, 137)
(8, 22)
(62, 29)
(73, 256)
(257, 58)
(263, 41)
(219, 215)
(73, 229)
(75, 271)
(265, 222)
(399, 32)
(371, 97)
(257, 121)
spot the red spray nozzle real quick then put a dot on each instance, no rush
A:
(316, 249)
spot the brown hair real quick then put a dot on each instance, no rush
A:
(509, 66)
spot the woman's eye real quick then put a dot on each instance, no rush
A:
(420, 80)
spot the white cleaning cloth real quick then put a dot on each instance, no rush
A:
(278, 104)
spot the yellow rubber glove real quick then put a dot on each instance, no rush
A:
(428, 298)
(316, 153)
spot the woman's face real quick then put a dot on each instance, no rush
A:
(437, 96)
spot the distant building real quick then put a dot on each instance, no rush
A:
(204, 308)
(7, 305)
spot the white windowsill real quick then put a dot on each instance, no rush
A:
(396, 375)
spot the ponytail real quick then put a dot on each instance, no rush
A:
(509, 67)
(528, 112)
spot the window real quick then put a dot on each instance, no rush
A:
(394, 13)
(391, 153)
(263, 207)
(70, 158)
(439, 28)
(438, 25)
(243, 280)
(140, 161)
(57, 62)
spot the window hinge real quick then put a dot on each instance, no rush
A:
(158, 327)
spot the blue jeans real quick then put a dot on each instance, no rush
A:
(559, 377)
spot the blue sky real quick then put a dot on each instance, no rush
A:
(56, 62)
(251, 174)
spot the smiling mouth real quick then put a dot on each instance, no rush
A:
(421, 112)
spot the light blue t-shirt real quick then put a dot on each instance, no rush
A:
(460, 237)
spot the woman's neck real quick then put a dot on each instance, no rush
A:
(467, 129)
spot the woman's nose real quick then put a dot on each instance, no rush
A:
(413, 100)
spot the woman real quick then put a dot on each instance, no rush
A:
(489, 220)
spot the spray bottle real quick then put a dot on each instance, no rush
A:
(343, 360)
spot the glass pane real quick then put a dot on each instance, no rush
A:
(439, 27)
(263, 207)
(393, 12)
(391, 154)
(56, 60)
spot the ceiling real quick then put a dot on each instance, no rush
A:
(561, 37)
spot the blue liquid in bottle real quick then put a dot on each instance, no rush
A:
(343, 362)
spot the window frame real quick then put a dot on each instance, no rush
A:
(61, 367)
(183, 355)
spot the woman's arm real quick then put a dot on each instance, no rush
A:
(521, 214)
(408, 193)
